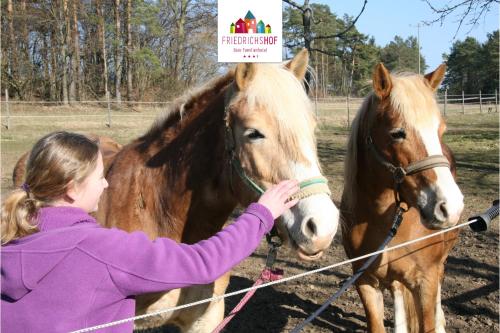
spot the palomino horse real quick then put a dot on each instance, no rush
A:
(184, 177)
(399, 128)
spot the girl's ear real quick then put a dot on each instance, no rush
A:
(72, 192)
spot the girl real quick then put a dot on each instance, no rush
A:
(61, 271)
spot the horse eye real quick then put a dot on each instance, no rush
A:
(398, 134)
(254, 134)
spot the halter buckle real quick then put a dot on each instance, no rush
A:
(399, 174)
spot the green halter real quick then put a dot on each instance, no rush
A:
(308, 187)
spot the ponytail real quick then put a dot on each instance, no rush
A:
(55, 161)
(19, 210)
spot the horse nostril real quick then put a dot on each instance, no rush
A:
(310, 229)
(442, 210)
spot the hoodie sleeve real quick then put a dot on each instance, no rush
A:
(138, 265)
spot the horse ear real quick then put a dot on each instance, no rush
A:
(298, 65)
(244, 74)
(382, 83)
(435, 78)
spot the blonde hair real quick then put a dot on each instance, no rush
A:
(56, 160)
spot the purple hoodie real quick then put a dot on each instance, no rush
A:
(75, 274)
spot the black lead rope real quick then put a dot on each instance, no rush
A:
(398, 218)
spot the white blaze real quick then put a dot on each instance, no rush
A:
(447, 188)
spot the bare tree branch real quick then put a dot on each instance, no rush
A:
(337, 54)
(294, 4)
(471, 10)
(346, 29)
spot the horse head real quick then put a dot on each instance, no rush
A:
(271, 128)
(404, 131)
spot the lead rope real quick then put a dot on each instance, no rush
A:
(268, 274)
(398, 218)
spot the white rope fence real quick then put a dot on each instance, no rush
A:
(293, 277)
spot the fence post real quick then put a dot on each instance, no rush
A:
(463, 102)
(445, 101)
(7, 108)
(480, 103)
(109, 109)
(496, 101)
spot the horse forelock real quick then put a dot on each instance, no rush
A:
(278, 92)
(414, 100)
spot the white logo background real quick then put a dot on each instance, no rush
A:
(256, 48)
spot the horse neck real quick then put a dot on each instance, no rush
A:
(194, 184)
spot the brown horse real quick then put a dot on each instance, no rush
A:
(185, 176)
(398, 125)
(107, 146)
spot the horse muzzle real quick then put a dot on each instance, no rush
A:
(439, 211)
(310, 226)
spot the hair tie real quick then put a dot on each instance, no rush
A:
(25, 187)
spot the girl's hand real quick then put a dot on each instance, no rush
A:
(275, 198)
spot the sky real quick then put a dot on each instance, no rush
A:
(384, 19)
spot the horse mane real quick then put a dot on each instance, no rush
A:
(182, 106)
(351, 159)
(412, 97)
(283, 96)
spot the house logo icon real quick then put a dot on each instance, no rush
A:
(249, 25)
(249, 31)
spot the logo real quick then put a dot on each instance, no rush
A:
(250, 38)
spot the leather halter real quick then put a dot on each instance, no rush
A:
(399, 172)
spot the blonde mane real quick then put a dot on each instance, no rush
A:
(284, 97)
(412, 97)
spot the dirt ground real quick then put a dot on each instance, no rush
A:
(470, 291)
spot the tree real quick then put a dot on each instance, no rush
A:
(128, 50)
(75, 57)
(489, 58)
(402, 55)
(472, 66)
(62, 29)
(118, 53)
(306, 12)
(101, 33)
(342, 65)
